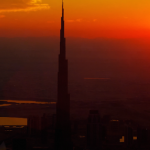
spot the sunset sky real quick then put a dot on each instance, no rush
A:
(83, 18)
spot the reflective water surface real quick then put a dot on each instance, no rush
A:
(22, 102)
(10, 121)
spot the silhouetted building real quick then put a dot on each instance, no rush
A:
(142, 136)
(19, 144)
(128, 136)
(2, 129)
(63, 127)
(75, 126)
(104, 133)
(114, 133)
(94, 134)
(34, 125)
(53, 122)
(45, 126)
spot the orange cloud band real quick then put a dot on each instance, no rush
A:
(26, 5)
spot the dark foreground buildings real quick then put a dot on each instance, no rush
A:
(94, 134)
(63, 127)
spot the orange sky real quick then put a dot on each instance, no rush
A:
(83, 18)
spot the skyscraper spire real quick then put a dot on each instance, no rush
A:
(63, 127)
(62, 7)
(62, 38)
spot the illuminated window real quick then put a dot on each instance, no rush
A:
(114, 120)
(122, 139)
(134, 137)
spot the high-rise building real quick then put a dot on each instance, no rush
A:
(45, 126)
(94, 134)
(34, 125)
(63, 127)
(53, 122)
(128, 136)
(142, 136)
(114, 133)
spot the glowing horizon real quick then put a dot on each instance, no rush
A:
(88, 19)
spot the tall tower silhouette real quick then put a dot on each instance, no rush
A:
(63, 128)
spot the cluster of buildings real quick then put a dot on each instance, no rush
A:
(94, 133)
(59, 132)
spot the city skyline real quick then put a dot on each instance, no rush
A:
(109, 103)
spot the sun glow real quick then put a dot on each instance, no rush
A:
(87, 19)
